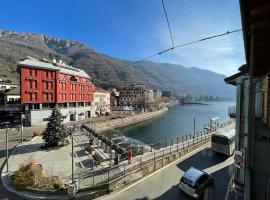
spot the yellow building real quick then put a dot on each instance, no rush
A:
(102, 101)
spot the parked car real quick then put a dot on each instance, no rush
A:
(194, 182)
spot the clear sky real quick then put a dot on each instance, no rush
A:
(134, 29)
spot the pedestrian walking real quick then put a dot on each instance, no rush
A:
(129, 156)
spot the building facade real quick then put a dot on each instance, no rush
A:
(136, 95)
(7, 85)
(102, 101)
(252, 155)
(13, 95)
(46, 85)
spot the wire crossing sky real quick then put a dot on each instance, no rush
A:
(132, 30)
(189, 43)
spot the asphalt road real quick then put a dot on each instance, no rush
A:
(163, 185)
(14, 139)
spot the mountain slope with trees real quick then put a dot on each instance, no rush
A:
(107, 71)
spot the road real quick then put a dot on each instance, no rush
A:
(163, 185)
(14, 139)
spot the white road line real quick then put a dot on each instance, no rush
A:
(181, 158)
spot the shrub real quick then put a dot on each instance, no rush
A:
(27, 174)
(59, 185)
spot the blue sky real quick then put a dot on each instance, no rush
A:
(134, 29)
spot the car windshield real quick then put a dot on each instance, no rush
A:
(186, 181)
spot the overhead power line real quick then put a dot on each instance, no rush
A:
(190, 43)
(164, 9)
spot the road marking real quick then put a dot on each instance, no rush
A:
(157, 171)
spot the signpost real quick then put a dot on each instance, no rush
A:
(238, 158)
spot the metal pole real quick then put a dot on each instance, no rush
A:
(21, 129)
(7, 145)
(194, 125)
(72, 158)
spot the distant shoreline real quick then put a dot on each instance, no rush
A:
(195, 103)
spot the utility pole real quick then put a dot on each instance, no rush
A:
(194, 125)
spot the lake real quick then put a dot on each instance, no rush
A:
(177, 121)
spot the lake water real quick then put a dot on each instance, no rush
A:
(177, 121)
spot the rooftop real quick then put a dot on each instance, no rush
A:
(15, 91)
(97, 89)
(62, 68)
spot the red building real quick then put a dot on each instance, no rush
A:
(46, 85)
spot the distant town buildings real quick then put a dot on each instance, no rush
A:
(49, 84)
(102, 101)
(167, 94)
(138, 96)
(7, 85)
(157, 94)
(12, 96)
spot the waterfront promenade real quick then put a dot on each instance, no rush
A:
(89, 177)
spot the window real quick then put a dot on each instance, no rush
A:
(45, 119)
(81, 114)
(30, 96)
(34, 83)
(35, 96)
(220, 140)
(46, 97)
(46, 85)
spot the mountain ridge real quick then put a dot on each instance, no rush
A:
(108, 71)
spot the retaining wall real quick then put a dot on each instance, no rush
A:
(116, 123)
(145, 170)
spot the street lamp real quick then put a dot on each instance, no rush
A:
(73, 187)
(6, 124)
(71, 132)
(194, 124)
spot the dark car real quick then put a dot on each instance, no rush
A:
(194, 182)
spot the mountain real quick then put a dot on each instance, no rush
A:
(107, 71)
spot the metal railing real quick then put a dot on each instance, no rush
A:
(91, 177)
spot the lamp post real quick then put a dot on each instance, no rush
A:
(22, 118)
(6, 124)
(194, 124)
(71, 132)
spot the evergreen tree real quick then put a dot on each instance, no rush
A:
(55, 131)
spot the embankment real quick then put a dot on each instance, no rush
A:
(133, 119)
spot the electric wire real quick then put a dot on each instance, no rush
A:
(164, 9)
(190, 43)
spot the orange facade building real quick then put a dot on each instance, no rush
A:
(46, 85)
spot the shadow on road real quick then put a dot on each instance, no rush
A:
(173, 193)
(202, 160)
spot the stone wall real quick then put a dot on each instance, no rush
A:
(116, 123)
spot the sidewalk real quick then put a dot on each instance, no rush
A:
(56, 162)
